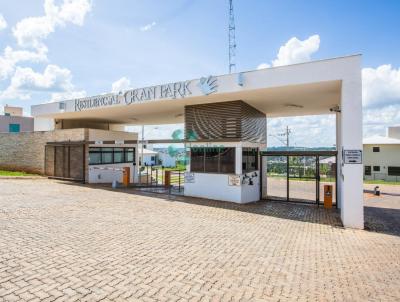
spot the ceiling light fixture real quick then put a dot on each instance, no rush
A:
(294, 105)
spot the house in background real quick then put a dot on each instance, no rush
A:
(382, 156)
(165, 159)
(13, 121)
(150, 157)
(156, 158)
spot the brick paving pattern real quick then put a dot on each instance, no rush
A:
(65, 242)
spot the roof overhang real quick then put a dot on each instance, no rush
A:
(302, 89)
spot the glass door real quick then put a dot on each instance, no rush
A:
(303, 178)
(276, 177)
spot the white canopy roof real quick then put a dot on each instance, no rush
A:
(381, 140)
(300, 89)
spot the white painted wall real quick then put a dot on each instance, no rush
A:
(109, 173)
(43, 124)
(389, 155)
(350, 138)
(216, 186)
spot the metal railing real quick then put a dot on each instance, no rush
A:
(154, 176)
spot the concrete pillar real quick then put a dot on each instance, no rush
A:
(339, 159)
(238, 160)
(350, 138)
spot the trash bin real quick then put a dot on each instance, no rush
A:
(328, 196)
(126, 175)
(377, 192)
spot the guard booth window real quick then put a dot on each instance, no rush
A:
(102, 156)
(249, 159)
(212, 159)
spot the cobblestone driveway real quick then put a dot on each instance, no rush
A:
(66, 242)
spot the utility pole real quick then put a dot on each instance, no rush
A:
(286, 134)
(288, 131)
(232, 41)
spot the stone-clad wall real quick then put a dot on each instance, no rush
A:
(25, 151)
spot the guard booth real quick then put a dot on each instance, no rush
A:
(295, 176)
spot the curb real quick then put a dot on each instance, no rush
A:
(22, 177)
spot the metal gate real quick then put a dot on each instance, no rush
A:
(153, 177)
(298, 176)
(65, 161)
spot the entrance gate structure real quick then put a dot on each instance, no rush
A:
(224, 119)
(298, 176)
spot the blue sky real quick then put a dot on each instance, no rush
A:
(86, 46)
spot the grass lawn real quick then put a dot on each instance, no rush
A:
(382, 182)
(14, 173)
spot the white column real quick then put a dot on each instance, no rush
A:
(350, 138)
(238, 160)
(339, 159)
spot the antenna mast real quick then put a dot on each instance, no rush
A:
(232, 42)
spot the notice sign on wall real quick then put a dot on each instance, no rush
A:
(234, 180)
(352, 156)
(189, 177)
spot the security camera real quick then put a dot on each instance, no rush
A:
(335, 109)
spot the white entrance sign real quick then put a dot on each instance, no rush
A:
(234, 180)
(97, 102)
(189, 177)
(98, 142)
(119, 142)
(352, 156)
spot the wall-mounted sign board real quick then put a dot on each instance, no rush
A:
(189, 177)
(352, 156)
(120, 142)
(234, 180)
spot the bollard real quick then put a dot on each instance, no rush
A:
(327, 196)
(114, 184)
(126, 175)
(167, 178)
(377, 192)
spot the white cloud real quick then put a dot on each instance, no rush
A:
(30, 31)
(376, 120)
(121, 85)
(307, 131)
(12, 57)
(263, 66)
(26, 81)
(148, 26)
(381, 86)
(295, 51)
(3, 23)
(68, 95)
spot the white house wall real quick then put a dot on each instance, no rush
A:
(389, 155)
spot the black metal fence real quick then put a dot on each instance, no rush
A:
(155, 176)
